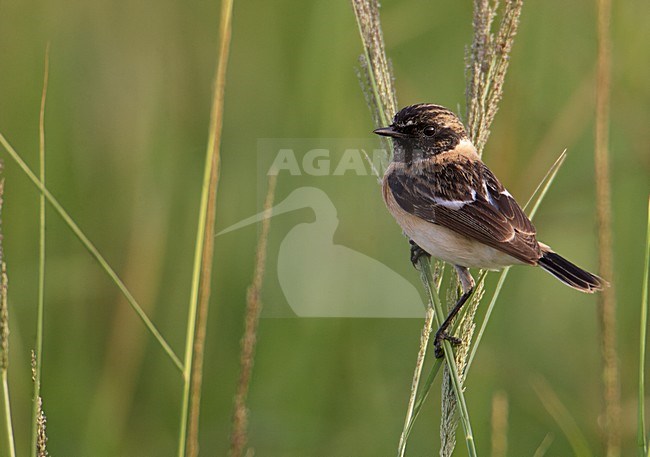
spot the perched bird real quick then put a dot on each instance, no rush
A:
(452, 207)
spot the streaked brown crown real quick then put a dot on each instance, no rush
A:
(423, 130)
(426, 114)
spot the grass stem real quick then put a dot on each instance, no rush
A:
(425, 275)
(9, 431)
(203, 252)
(437, 363)
(38, 351)
(4, 346)
(238, 437)
(641, 434)
(607, 298)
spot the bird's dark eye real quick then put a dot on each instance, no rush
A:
(429, 131)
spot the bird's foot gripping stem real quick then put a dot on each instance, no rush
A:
(417, 252)
(467, 282)
(442, 334)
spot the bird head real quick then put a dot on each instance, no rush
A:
(423, 130)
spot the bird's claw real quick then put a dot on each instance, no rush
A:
(416, 253)
(440, 336)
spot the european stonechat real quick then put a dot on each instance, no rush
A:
(452, 207)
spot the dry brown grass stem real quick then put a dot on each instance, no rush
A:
(4, 320)
(239, 435)
(207, 255)
(202, 313)
(4, 311)
(607, 299)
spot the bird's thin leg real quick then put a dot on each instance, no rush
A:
(417, 252)
(467, 283)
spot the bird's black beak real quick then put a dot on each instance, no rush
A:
(389, 131)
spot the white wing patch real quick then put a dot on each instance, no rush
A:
(488, 196)
(454, 204)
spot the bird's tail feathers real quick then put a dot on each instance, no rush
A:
(571, 274)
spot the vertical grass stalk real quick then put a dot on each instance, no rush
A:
(203, 263)
(437, 363)
(425, 275)
(40, 443)
(607, 299)
(38, 351)
(641, 433)
(239, 434)
(41, 435)
(8, 431)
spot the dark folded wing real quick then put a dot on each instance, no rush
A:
(468, 199)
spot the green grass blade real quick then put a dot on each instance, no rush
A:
(38, 351)
(433, 373)
(641, 436)
(93, 251)
(545, 183)
(544, 445)
(550, 177)
(425, 273)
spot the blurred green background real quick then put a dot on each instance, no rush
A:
(127, 117)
